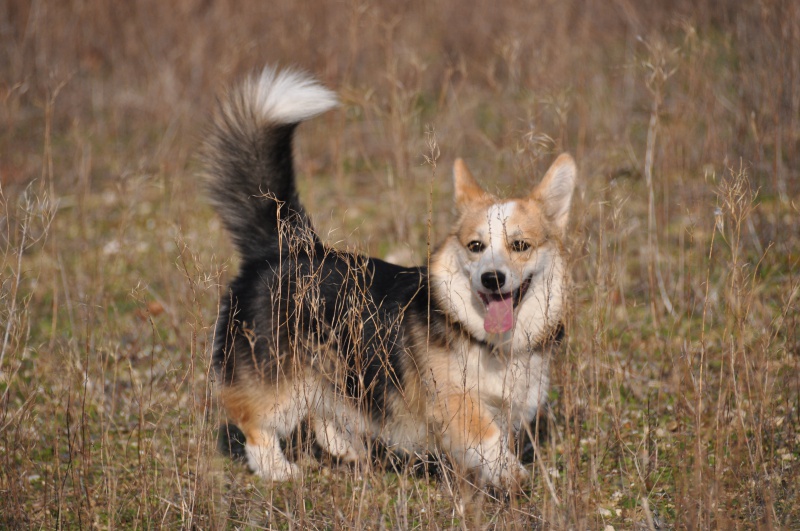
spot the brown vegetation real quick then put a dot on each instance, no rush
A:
(677, 395)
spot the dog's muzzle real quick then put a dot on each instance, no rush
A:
(500, 306)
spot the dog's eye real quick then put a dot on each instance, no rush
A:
(475, 246)
(519, 246)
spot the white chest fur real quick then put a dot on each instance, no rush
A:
(512, 385)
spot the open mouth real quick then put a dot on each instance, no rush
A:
(500, 308)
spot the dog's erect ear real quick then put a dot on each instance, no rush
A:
(467, 189)
(554, 193)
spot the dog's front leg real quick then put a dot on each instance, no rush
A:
(475, 440)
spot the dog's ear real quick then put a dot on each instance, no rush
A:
(554, 193)
(467, 189)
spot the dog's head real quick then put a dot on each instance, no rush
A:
(501, 271)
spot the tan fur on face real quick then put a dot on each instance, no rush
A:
(526, 223)
(467, 190)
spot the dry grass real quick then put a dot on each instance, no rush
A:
(676, 401)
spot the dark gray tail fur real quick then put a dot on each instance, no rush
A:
(248, 155)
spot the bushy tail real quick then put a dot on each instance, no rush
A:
(248, 156)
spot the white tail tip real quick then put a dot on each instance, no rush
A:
(287, 96)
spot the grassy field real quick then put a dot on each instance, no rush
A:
(676, 396)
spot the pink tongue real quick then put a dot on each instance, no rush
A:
(499, 316)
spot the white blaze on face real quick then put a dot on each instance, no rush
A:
(497, 217)
(499, 310)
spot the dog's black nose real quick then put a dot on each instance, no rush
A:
(493, 280)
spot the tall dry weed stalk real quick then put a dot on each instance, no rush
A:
(25, 227)
(659, 66)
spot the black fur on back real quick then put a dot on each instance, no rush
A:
(292, 295)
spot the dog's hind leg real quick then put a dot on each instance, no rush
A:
(338, 428)
(265, 413)
(266, 459)
(333, 441)
(336, 440)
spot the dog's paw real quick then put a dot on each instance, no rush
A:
(512, 476)
(338, 443)
(269, 463)
(500, 468)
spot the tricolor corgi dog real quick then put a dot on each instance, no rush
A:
(447, 358)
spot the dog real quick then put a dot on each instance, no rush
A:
(451, 358)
